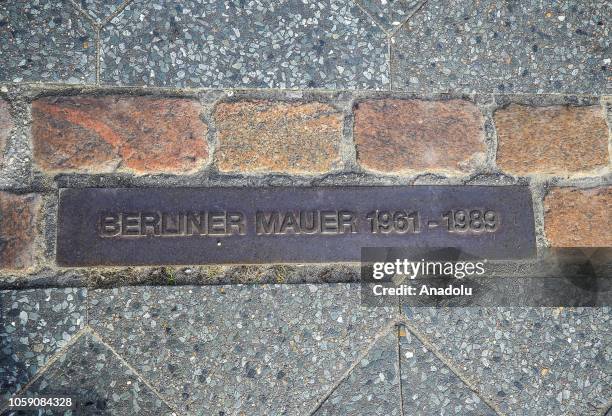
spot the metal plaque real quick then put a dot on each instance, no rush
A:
(156, 226)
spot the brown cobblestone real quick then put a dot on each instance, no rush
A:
(579, 217)
(551, 140)
(104, 134)
(268, 136)
(18, 223)
(399, 135)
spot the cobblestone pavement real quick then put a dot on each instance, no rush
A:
(203, 343)
(297, 350)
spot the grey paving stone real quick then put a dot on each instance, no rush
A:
(250, 349)
(34, 325)
(45, 41)
(430, 387)
(99, 9)
(372, 387)
(97, 382)
(255, 43)
(390, 14)
(498, 46)
(15, 152)
(530, 361)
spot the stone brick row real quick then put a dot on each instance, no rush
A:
(90, 134)
(168, 135)
(150, 135)
(393, 136)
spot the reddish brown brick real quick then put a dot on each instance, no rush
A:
(269, 136)
(6, 125)
(551, 140)
(402, 135)
(18, 225)
(104, 134)
(579, 217)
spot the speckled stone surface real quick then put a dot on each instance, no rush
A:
(98, 382)
(459, 46)
(430, 387)
(99, 10)
(528, 360)
(231, 349)
(497, 46)
(390, 14)
(372, 387)
(254, 43)
(34, 325)
(45, 41)
(297, 349)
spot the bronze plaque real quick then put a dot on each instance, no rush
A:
(156, 226)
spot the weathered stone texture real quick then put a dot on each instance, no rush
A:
(6, 125)
(104, 134)
(268, 136)
(551, 140)
(395, 135)
(579, 217)
(18, 222)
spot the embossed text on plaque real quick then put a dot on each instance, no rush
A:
(258, 225)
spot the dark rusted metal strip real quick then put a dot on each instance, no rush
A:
(157, 226)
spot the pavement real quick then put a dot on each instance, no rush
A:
(303, 349)
(459, 46)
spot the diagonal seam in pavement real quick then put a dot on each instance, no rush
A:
(385, 331)
(146, 382)
(401, 25)
(451, 366)
(42, 370)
